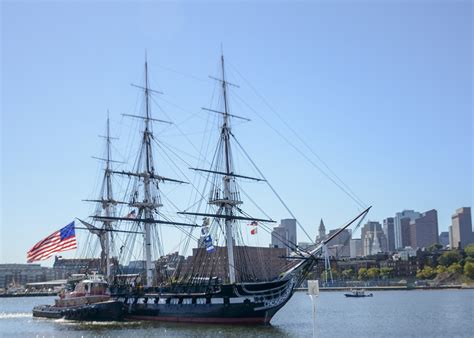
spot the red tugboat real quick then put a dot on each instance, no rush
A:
(90, 300)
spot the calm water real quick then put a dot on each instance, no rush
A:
(387, 314)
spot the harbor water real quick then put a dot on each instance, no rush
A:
(433, 313)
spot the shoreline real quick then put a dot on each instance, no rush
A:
(393, 288)
(39, 294)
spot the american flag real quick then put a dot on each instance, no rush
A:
(61, 240)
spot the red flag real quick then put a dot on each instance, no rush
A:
(131, 214)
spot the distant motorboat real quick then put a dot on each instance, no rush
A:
(358, 293)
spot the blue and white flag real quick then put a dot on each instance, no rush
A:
(208, 244)
(206, 236)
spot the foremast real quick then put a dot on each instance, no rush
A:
(107, 203)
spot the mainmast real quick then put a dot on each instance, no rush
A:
(148, 207)
(108, 204)
(145, 196)
(226, 181)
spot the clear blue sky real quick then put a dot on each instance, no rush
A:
(381, 90)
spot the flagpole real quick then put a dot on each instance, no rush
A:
(313, 292)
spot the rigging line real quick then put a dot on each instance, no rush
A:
(190, 116)
(174, 125)
(204, 150)
(197, 78)
(187, 233)
(179, 169)
(286, 242)
(298, 136)
(269, 185)
(360, 203)
(194, 187)
(179, 150)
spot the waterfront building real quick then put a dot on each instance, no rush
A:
(356, 264)
(168, 266)
(400, 268)
(404, 254)
(444, 239)
(64, 267)
(389, 231)
(401, 228)
(201, 263)
(424, 230)
(461, 228)
(12, 275)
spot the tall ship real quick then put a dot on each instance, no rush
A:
(225, 280)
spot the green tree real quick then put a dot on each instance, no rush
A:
(426, 273)
(434, 247)
(455, 268)
(362, 273)
(385, 272)
(440, 269)
(469, 270)
(469, 250)
(449, 258)
(347, 274)
(373, 273)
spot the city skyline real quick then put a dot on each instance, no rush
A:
(388, 106)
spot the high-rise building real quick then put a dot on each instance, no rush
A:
(444, 238)
(279, 237)
(373, 239)
(355, 247)
(461, 228)
(339, 246)
(290, 225)
(389, 231)
(450, 230)
(401, 227)
(424, 230)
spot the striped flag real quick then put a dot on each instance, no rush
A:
(61, 240)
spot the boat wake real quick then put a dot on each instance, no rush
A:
(96, 323)
(10, 315)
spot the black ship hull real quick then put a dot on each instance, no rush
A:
(103, 311)
(350, 295)
(249, 303)
(205, 313)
